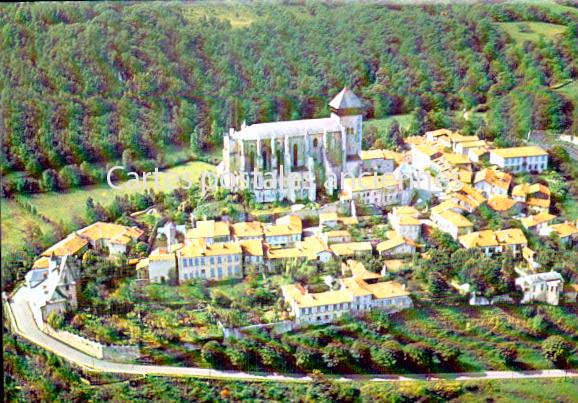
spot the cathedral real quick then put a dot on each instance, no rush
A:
(316, 147)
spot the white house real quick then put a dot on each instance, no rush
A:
(286, 231)
(452, 223)
(361, 292)
(405, 221)
(520, 159)
(492, 182)
(383, 190)
(495, 242)
(380, 161)
(215, 261)
(53, 285)
(543, 287)
(537, 223)
(159, 267)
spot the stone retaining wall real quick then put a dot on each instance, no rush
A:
(94, 348)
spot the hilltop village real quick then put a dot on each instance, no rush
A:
(431, 189)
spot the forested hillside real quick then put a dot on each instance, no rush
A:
(82, 83)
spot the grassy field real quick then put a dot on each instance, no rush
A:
(64, 206)
(531, 31)
(14, 218)
(240, 16)
(383, 124)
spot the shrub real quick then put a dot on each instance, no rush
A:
(507, 353)
(556, 350)
(56, 320)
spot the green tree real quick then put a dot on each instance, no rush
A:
(556, 350)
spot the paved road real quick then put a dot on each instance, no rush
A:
(541, 139)
(25, 326)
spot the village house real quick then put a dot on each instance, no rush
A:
(567, 232)
(529, 256)
(493, 243)
(253, 252)
(286, 231)
(209, 231)
(468, 198)
(336, 236)
(243, 231)
(492, 182)
(54, 287)
(452, 223)
(475, 154)
(520, 159)
(361, 292)
(396, 245)
(542, 287)
(434, 135)
(380, 191)
(310, 249)
(536, 196)
(332, 220)
(504, 205)
(114, 237)
(405, 221)
(72, 245)
(380, 161)
(422, 156)
(351, 249)
(465, 147)
(537, 223)
(210, 261)
(159, 267)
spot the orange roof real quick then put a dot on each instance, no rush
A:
(565, 229)
(105, 230)
(495, 178)
(533, 220)
(535, 202)
(501, 203)
(42, 263)
(525, 189)
(70, 245)
(248, 229)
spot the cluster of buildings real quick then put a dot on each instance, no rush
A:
(54, 278)
(463, 173)
(362, 291)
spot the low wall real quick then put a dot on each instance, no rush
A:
(93, 348)
(278, 327)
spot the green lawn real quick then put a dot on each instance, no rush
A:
(65, 206)
(383, 124)
(531, 31)
(14, 219)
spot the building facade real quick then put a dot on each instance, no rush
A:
(299, 146)
(520, 159)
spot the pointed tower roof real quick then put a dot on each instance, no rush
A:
(346, 99)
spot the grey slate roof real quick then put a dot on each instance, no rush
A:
(346, 99)
(289, 128)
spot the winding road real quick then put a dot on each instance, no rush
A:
(24, 325)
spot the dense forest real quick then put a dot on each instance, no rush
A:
(83, 85)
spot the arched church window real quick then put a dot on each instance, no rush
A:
(295, 155)
(251, 160)
(264, 156)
